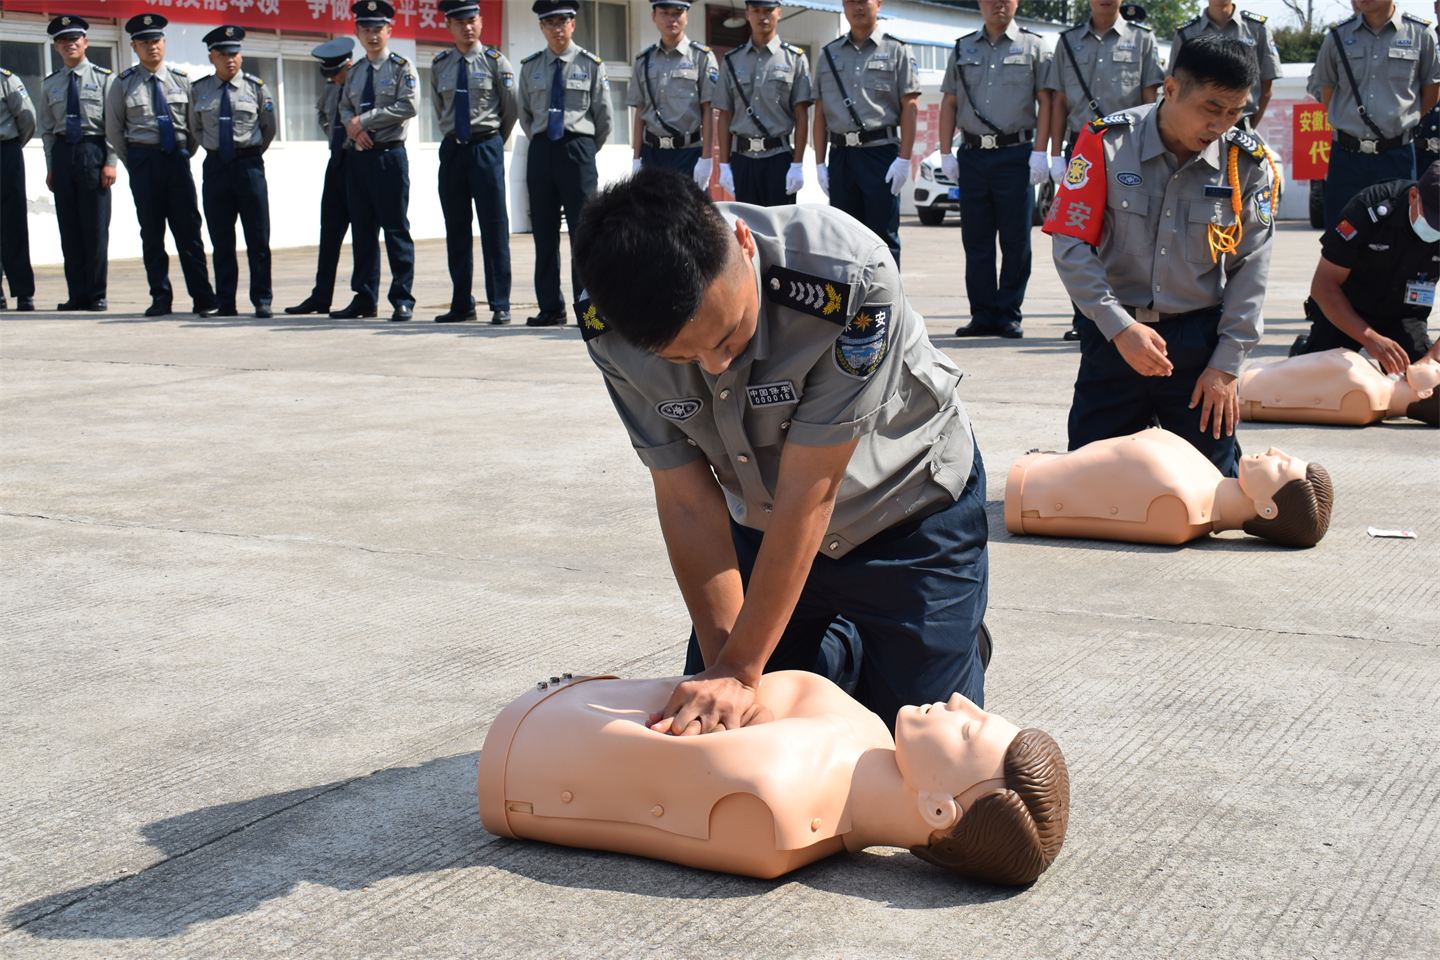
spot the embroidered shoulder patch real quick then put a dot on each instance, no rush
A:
(770, 394)
(1346, 230)
(679, 409)
(817, 296)
(591, 323)
(1263, 206)
(862, 344)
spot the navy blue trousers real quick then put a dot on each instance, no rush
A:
(334, 224)
(915, 594)
(164, 192)
(377, 186)
(1350, 173)
(230, 190)
(560, 175)
(681, 161)
(858, 186)
(761, 180)
(82, 209)
(1112, 399)
(14, 227)
(996, 201)
(474, 173)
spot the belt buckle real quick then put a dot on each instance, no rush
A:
(1146, 315)
(852, 139)
(757, 144)
(987, 141)
(1432, 144)
(1369, 146)
(667, 143)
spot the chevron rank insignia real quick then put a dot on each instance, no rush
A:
(591, 323)
(818, 296)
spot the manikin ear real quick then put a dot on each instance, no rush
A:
(939, 809)
(1266, 510)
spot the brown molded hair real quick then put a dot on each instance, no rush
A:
(1302, 508)
(1426, 411)
(1010, 836)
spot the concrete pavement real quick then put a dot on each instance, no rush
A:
(267, 582)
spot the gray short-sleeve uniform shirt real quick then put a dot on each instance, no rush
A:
(682, 78)
(95, 83)
(587, 93)
(1154, 250)
(775, 78)
(1250, 29)
(252, 111)
(17, 111)
(1005, 77)
(130, 108)
(1391, 68)
(1117, 67)
(491, 83)
(838, 354)
(327, 107)
(397, 93)
(877, 74)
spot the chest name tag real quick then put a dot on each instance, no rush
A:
(680, 409)
(769, 394)
(1214, 192)
(1122, 56)
(1420, 294)
(577, 84)
(1401, 53)
(1017, 58)
(877, 64)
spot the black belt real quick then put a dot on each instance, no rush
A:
(382, 147)
(477, 138)
(739, 144)
(994, 141)
(239, 152)
(1153, 317)
(181, 143)
(1351, 144)
(1432, 144)
(854, 138)
(97, 139)
(673, 143)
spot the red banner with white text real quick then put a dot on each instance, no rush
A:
(1310, 155)
(414, 19)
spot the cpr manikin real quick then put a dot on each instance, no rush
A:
(574, 762)
(1154, 487)
(1338, 387)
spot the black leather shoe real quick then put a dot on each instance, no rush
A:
(311, 305)
(1011, 330)
(24, 304)
(1298, 346)
(70, 305)
(226, 311)
(356, 311)
(205, 313)
(500, 318)
(263, 311)
(972, 329)
(456, 316)
(402, 313)
(1072, 334)
(3, 304)
(547, 318)
(97, 306)
(157, 308)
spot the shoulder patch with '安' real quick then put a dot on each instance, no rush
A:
(862, 344)
(818, 296)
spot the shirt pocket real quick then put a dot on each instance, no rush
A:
(577, 92)
(776, 87)
(878, 75)
(1017, 69)
(1201, 216)
(1129, 211)
(767, 426)
(1402, 61)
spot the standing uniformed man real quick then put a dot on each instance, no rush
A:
(994, 92)
(17, 126)
(1100, 67)
(671, 90)
(335, 57)
(1162, 230)
(80, 168)
(147, 122)
(473, 92)
(869, 92)
(1378, 75)
(784, 504)
(379, 98)
(764, 98)
(233, 118)
(1251, 29)
(565, 111)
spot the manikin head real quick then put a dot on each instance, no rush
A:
(1292, 498)
(1009, 833)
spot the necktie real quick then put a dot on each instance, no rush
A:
(72, 111)
(462, 102)
(337, 136)
(163, 118)
(556, 127)
(367, 97)
(227, 126)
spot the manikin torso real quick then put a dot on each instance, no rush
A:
(576, 764)
(1334, 386)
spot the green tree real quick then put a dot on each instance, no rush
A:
(1166, 16)
(1299, 44)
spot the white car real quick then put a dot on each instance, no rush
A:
(934, 193)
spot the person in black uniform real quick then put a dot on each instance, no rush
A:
(334, 56)
(1375, 283)
(17, 126)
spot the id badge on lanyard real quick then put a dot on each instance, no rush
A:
(1419, 294)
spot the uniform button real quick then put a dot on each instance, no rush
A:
(724, 394)
(785, 425)
(1157, 288)
(769, 507)
(1167, 213)
(691, 442)
(1214, 219)
(1162, 251)
(743, 459)
(1124, 203)
(834, 544)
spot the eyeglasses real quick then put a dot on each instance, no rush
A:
(555, 23)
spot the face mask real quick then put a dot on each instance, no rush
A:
(1423, 230)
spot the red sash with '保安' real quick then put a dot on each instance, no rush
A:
(1079, 207)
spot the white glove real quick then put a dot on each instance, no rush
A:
(1039, 167)
(702, 173)
(822, 176)
(1057, 169)
(727, 178)
(795, 178)
(634, 166)
(898, 173)
(950, 166)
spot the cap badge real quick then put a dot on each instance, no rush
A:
(148, 20)
(229, 31)
(64, 21)
(372, 5)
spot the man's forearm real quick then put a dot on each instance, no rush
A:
(1337, 308)
(909, 113)
(696, 527)
(819, 142)
(1266, 90)
(1059, 110)
(722, 137)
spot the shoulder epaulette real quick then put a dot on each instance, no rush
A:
(1350, 19)
(441, 55)
(1247, 143)
(591, 323)
(791, 47)
(5, 73)
(251, 76)
(839, 39)
(1113, 120)
(823, 297)
(891, 36)
(396, 58)
(492, 53)
(180, 73)
(699, 46)
(647, 50)
(590, 55)
(1033, 33)
(123, 74)
(105, 70)
(1190, 23)
(1414, 19)
(1253, 16)
(972, 33)
(57, 73)
(532, 56)
(732, 51)
(1144, 26)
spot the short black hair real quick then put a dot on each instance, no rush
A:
(1212, 59)
(646, 248)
